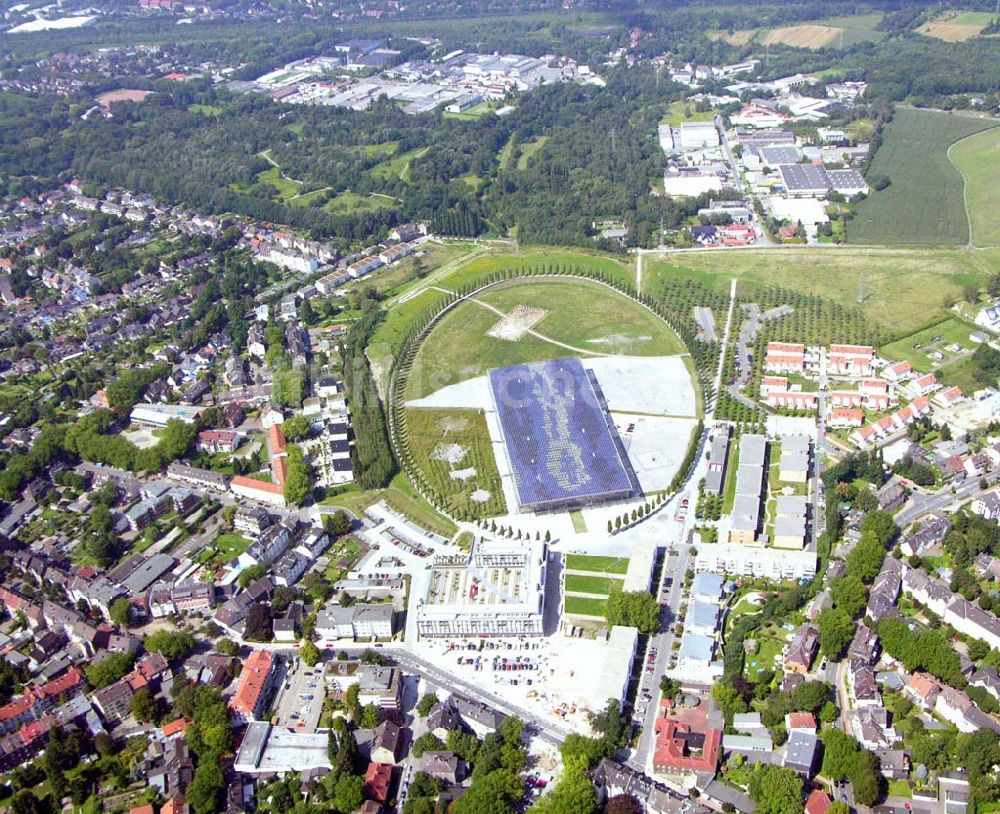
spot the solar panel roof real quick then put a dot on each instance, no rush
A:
(555, 426)
(804, 177)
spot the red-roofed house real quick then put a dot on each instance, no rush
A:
(679, 750)
(874, 387)
(793, 400)
(898, 371)
(846, 398)
(863, 436)
(923, 690)
(174, 805)
(178, 727)
(850, 360)
(33, 703)
(214, 441)
(262, 491)
(950, 396)
(800, 722)
(770, 384)
(926, 384)
(818, 802)
(256, 679)
(845, 417)
(878, 402)
(276, 441)
(785, 357)
(378, 778)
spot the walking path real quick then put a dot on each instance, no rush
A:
(531, 332)
(725, 343)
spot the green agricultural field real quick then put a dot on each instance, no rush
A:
(582, 318)
(383, 150)
(917, 346)
(584, 606)
(452, 450)
(904, 288)
(472, 114)
(596, 565)
(978, 159)
(349, 202)
(506, 155)
(579, 584)
(474, 182)
(923, 205)
(856, 28)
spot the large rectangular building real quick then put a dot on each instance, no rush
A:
(562, 447)
(497, 591)
(254, 688)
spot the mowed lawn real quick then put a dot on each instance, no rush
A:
(596, 565)
(916, 348)
(586, 317)
(585, 606)
(923, 204)
(978, 159)
(424, 297)
(579, 584)
(904, 288)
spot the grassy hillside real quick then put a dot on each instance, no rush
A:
(904, 288)
(978, 158)
(584, 317)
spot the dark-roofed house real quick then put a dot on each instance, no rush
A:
(864, 646)
(801, 650)
(443, 765)
(987, 678)
(612, 779)
(801, 753)
(480, 718)
(386, 743)
(444, 717)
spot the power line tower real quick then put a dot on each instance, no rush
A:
(861, 288)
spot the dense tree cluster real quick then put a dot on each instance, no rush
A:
(371, 453)
(633, 609)
(929, 650)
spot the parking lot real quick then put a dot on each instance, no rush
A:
(300, 696)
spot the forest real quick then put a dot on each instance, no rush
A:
(600, 158)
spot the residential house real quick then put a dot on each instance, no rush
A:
(800, 651)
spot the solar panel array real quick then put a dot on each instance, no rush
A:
(555, 427)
